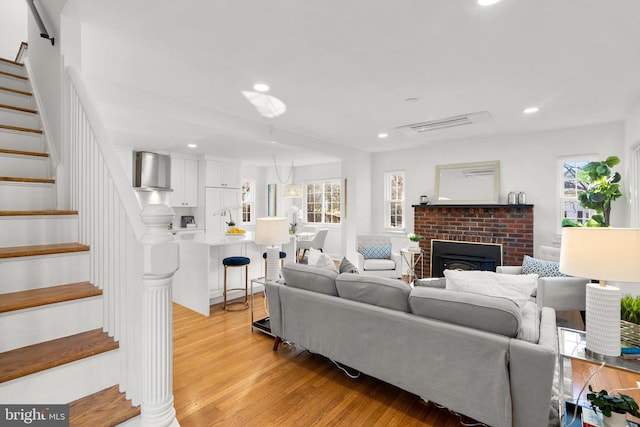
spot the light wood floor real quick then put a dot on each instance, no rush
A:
(226, 375)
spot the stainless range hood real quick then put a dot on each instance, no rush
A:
(151, 171)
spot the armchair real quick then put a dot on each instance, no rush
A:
(384, 267)
(559, 293)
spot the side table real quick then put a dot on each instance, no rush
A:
(572, 346)
(262, 325)
(413, 256)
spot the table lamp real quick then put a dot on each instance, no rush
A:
(611, 254)
(272, 231)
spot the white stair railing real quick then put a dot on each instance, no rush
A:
(122, 249)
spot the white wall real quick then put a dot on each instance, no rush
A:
(46, 64)
(528, 163)
(13, 27)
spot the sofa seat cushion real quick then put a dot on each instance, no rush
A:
(310, 278)
(380, 291)
(487, 313)
(379, 264)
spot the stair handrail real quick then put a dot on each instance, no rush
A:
(36, 16)
(123, 187)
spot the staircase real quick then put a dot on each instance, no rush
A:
(52, 346)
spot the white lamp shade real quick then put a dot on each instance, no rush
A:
(611, 254)
(272, 230)
(292, 191)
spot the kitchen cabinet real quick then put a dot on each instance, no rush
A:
(221, 205)
(184, 182)
(224, 174)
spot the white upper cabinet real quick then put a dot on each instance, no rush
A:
(225, 174)
(184, 182)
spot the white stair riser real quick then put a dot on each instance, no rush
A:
(35, 325)
(18, 118)
(16, 99)
(25, 141)
(24, 273)
(14, 83)
(65, 383)
(26, 196)
(9, 67)
(17, 165)
(38, 230)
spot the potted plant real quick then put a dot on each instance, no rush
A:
(414, 240)
(614, 407)
(603, 187)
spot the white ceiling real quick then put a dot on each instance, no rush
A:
(167, 73)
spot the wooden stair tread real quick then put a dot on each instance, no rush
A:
(22, 179)
(57, 248)
(105, 408)
(11, 62)
(51, 295)
(36, 213)
(19, 129)
(4, 73)
(24, 153)
(24, 110)
(19, 92)
(39, 357)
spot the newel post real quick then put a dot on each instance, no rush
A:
(160, 263)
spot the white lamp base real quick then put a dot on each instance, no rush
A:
(603, 320)
(273, 263)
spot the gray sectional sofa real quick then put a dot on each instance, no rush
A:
(457, 349)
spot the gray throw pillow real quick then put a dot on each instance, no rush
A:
(347, 266)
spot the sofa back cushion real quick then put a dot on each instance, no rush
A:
(380, 291)
(491, 314)
(310, 278)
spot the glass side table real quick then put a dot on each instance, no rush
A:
(262, 325)
(572, 346)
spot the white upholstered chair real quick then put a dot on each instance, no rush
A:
(559, 293)
(386, 267)
(317, 243)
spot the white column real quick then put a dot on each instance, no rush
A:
(160, 263)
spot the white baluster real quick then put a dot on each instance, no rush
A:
(160, 263)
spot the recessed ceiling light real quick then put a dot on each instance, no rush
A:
(487, 2)
(261, 87)
(192, 145)
(530, 110)
(383, 135)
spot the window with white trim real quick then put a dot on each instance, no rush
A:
(323, 201)
(248, 197)
(569, 188)
(394, 200)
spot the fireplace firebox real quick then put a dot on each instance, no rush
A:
(460, 255)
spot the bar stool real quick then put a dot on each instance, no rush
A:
(236, 261)
(283, 255)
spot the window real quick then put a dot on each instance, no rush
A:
(323, 202)
(570, 187)
(394, 200)
(248, 195)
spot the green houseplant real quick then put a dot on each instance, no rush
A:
(630, 309)
(613, 406)
(414, 240)
(603, 187)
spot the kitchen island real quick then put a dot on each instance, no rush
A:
(199, 282)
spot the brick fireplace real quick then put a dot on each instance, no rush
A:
(508, 225)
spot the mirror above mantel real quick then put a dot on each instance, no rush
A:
(468, 183)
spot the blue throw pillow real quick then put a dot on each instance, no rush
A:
(375, 252)
(541, 268)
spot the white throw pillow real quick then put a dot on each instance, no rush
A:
(516, 287)
(323, 261)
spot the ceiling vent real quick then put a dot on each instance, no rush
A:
(448, 122)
